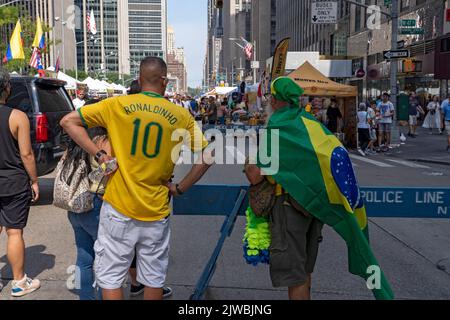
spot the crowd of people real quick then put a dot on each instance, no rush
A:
(376, 117)
(126, 231)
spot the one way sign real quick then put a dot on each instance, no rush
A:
(396, 54)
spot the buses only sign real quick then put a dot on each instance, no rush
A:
(324, 12)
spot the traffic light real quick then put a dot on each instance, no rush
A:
(219, 4)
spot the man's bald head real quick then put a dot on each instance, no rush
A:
(153, 71)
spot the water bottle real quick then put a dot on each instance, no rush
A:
(104, 169)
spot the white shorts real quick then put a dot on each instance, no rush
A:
(413, 120)
(119, 237)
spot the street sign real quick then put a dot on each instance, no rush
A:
(408, 23)
(255, 64)
(324, 12)
(411, 31)
(396, 54)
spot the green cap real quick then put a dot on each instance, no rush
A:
(285, 89)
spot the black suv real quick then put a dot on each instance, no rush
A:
(46, 102)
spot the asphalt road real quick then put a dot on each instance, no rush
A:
(414, 253)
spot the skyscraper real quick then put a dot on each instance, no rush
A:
(147, 30)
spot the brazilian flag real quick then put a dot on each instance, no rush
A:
(317, 172)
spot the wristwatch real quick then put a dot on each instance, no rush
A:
(177, 186)
(100, 154)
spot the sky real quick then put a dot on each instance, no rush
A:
(189, 20)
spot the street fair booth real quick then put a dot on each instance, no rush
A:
(316, 84)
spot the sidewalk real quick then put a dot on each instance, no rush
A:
(425, 148)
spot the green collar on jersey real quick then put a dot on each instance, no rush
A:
(152, 94)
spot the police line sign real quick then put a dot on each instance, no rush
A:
(323, 12)
(381, 202)
(407, 202)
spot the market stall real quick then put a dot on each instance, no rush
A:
(316, 84)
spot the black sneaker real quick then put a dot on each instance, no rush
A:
(138, 290)
(167, 292)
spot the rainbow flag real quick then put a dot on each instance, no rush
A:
(15, 47)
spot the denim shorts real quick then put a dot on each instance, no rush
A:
(119, 238)
(385, 127)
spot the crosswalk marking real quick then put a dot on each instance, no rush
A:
(409, 164)
(376, 163)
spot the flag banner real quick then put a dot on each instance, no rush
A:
(248, 49)
(91, 24)
(279, 59)
(316, 170)
(57, 65)
(15, 47)
(34, 58)
(39, 38)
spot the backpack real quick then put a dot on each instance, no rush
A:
(72, 191)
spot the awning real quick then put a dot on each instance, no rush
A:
(316, 84)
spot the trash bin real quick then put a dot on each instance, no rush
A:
(403, 107)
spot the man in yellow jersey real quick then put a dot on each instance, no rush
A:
(135, 214)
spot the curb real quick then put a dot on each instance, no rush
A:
(441, 162)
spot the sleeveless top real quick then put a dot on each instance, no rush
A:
(13, 176)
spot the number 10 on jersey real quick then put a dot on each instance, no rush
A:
(151, 143)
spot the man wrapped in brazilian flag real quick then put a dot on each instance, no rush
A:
(316, 184)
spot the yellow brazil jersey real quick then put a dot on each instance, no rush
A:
(145, 131)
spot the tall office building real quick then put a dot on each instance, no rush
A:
(236, 25)
(214, 45)
(147, 30)
(264, 24)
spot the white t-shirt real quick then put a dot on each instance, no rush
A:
(387, 112)
(78, 103)
(362, 120)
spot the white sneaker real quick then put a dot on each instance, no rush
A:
(24, 286)
(361, 152)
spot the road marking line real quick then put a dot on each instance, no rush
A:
(409, 164)
(377, 163)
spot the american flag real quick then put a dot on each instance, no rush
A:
(91, 25)
(35, 58)
(248, 49)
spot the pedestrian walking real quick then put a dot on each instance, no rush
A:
(386, 110)
(363, 129)
(211, 111)
(433, 118)
(446, 118)
(19, 186)
(135, 215)
(415, 109)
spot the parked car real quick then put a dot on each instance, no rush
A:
(46, 102)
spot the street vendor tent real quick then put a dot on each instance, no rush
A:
(71, 82)
(221, 91)
(316, 84)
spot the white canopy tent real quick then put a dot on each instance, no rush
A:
(71, 82)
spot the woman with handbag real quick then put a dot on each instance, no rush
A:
(73, 168)
(433, 118)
